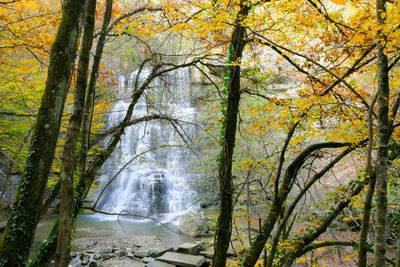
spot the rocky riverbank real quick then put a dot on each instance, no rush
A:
(137, 252)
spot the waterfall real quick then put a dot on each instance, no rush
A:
(156, 183)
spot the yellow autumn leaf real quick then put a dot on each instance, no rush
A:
(339, 2)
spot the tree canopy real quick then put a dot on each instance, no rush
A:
(297, 103)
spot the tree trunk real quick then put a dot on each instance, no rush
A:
(382, 140)
(17, 237)
(224, 224)
(62, 257)
(362, 251)
(248, 212)
(89, 102)
(88, 107)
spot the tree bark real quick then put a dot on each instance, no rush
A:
(19, 232)
(362, 251)
(62, 257)
(88, 108)
(382, 140)
(224, 224)
(89, 102)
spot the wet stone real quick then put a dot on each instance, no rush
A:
(153, 252)
(157, 263)
(157, 253)
(181, 259)
(121, 253)
(189, 248)
(107, 250)
(85, 261)
(107, 256)
(84, 256)
(141, 253)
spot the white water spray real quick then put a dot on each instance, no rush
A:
(155, 184)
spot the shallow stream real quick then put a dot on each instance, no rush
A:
(93, 227)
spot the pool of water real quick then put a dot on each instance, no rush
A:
(101, 226)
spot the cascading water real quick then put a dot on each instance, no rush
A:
(156, 183)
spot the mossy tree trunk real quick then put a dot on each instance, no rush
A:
(18, 235)
(382, 140)
(62, 257)
(362, 251)
(224, 224)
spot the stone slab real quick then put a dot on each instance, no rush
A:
(181, 259)
(158, 253)
(141, 253)
(189, 248)
(159, 264)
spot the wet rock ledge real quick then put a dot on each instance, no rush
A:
(187, 255)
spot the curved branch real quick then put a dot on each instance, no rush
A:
(132, 13)
(100, 136)
(292, 206)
